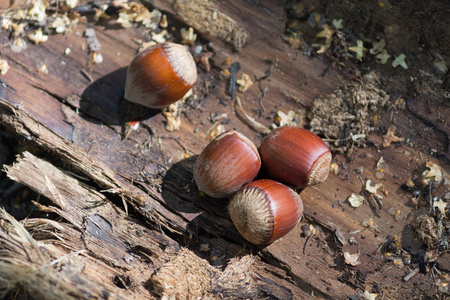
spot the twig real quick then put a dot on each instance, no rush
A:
(411, 275)
(252, 123)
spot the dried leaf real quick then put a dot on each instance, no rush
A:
(215, 130)
(327, 33)
(358, 49)
(390, 137)
(352, 259)
(4, 67)
(38, 37)
(334, 168)
(370, 223)
(187, 35)
(372, 188)
(378, 47)
(356, 200)
(173, 116)
(400, 61)
(369, 296)
(244, 83)
(441, 205)
(434, 173)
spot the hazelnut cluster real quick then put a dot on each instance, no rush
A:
(263, 210)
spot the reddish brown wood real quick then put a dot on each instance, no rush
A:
(82, 124)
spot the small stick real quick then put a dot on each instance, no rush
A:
(411, 275)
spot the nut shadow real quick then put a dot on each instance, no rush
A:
(181, 194)
(103, 102)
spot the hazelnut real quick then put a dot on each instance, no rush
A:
(295, 156)
(265, 210)
(160, 75)
(226, 164)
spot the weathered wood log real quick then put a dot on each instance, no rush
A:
(149, 174)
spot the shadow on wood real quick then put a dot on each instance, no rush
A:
(206, 215)
(103, 102)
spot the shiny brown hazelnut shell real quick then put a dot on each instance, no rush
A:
(265, 210)
(295, 156)
(226, 164)
(160, 75)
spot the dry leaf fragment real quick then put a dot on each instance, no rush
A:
(71, 3)
(215, 130)
(159, 37)
(369, 296)
(295, 40)
(326, 33)
(38, 37)
(396, 213)
(60, 24)
(145, 45)
(124, 19)
(18, 45)
(356, 200)
(352, 259)
(244, 83)
(380, 163)
(6, 22)
(291, 119)
(441, 205)
(334, 168)
(370, 223)
(37, 12)
(390, 137)
(18, 29)
(99, 13)
(4, 67)
(398, 262)
(188, 35)
(338, 23)
(204, 60)
(358, 49)
(43, 69)
(224, 74)
(372, 187)
(163, 23)
(96, 58)
(378, 47)
(282, 119)
(434, 173)
(383, 57)
(400, 61)
(173, 116)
